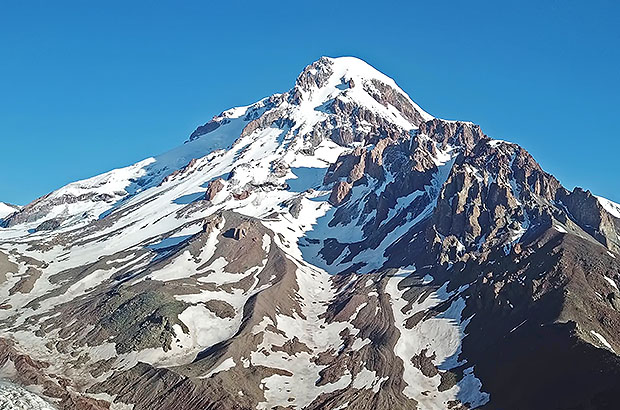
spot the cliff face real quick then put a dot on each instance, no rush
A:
(333, 246)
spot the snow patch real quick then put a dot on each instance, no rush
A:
(602, 339)
(222, 367)
(611, 282)
(611, 207)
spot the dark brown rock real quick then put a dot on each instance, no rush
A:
(340, 193)
(213, 188)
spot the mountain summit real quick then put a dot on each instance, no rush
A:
(331, 247)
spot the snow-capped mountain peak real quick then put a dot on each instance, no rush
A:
(340, 99)
(350, 79)
(330, 247)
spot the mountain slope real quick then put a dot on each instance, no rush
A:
(332, 246)
(7, 209)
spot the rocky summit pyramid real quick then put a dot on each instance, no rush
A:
(331, 247)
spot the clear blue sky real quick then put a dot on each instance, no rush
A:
(84, 88)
